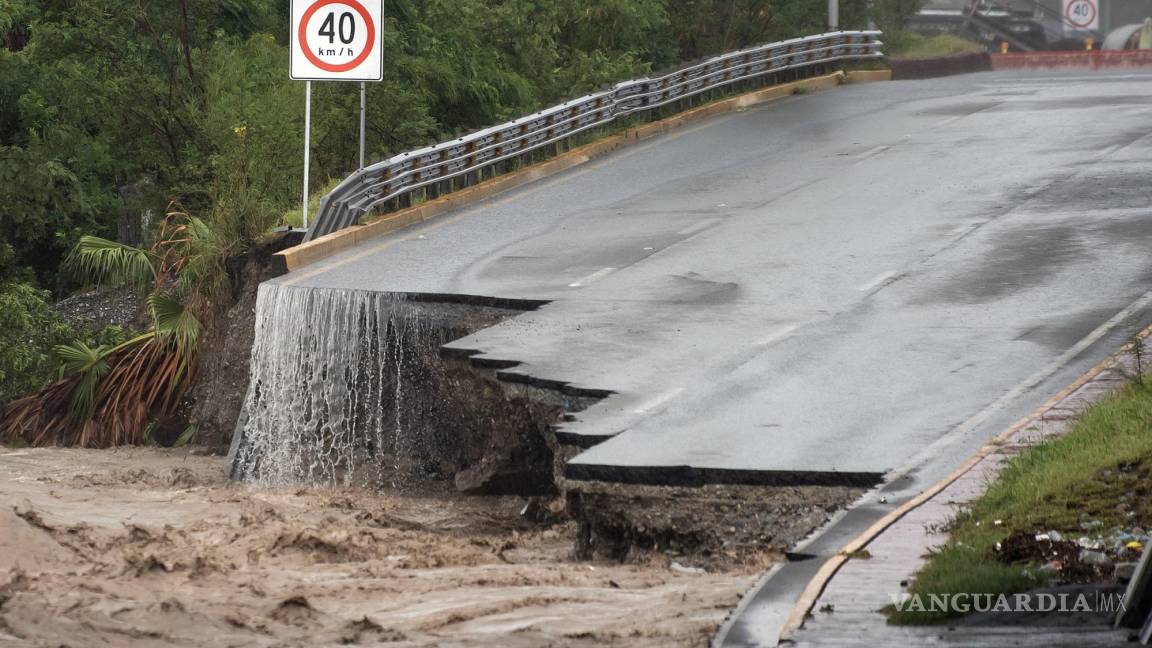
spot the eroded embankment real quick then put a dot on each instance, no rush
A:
(354, 387)
(350, 387)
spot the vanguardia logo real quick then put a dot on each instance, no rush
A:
(965, 603)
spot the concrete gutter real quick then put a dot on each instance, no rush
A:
(325, 246)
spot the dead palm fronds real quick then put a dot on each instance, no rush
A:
(142, 381)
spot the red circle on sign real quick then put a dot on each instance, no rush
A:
(302, 36)
(1071, 21)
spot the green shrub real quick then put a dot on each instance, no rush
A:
(29, 328)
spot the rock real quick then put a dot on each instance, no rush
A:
(98, 308)
(490, 476)
(540, 511)
(1096, 558)
(1124, 571)
(1056, 536)
(677, 567)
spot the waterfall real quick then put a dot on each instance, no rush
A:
(326, 386)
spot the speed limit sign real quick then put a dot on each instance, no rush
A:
(336, 40)
(1081, 15)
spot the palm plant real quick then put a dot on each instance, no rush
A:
(108, 395)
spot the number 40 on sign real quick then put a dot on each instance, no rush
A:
(336, 40)
(1081, 15)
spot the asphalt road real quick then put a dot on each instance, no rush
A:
(866, 281)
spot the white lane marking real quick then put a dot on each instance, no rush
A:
(878, 281)
(778, 334)
(792, 186)
(1062, 80)
(696, 227)
(1110, 150)
(658, 401)
(872, 152)
(585, 166)
(595, 276)
(1029, 383)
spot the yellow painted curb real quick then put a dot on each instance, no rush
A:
(867, 76)
(820, 580)
(325, 246)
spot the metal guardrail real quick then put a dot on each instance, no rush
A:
(403, 174)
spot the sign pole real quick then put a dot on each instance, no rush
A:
(334, 40)
(307, 144)
(363, 102)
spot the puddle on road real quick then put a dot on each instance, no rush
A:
(1015, 261)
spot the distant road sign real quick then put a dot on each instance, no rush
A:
(1081, 15)
(337, 40)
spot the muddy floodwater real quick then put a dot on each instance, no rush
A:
(148, 547)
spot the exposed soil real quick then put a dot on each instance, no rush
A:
(215, 401)
(151, 547)
(717, 526)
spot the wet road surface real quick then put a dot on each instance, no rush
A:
(838, 286)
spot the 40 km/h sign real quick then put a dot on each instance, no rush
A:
(1081, 15)
(336, 40)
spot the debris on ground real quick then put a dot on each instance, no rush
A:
(1088, 559)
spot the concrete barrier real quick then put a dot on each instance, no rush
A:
(925, 68)
(1080, 60)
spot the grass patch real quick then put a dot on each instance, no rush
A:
(1091, 481)
(908, 44)
(295, 217)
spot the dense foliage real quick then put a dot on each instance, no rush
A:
(28, 331)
